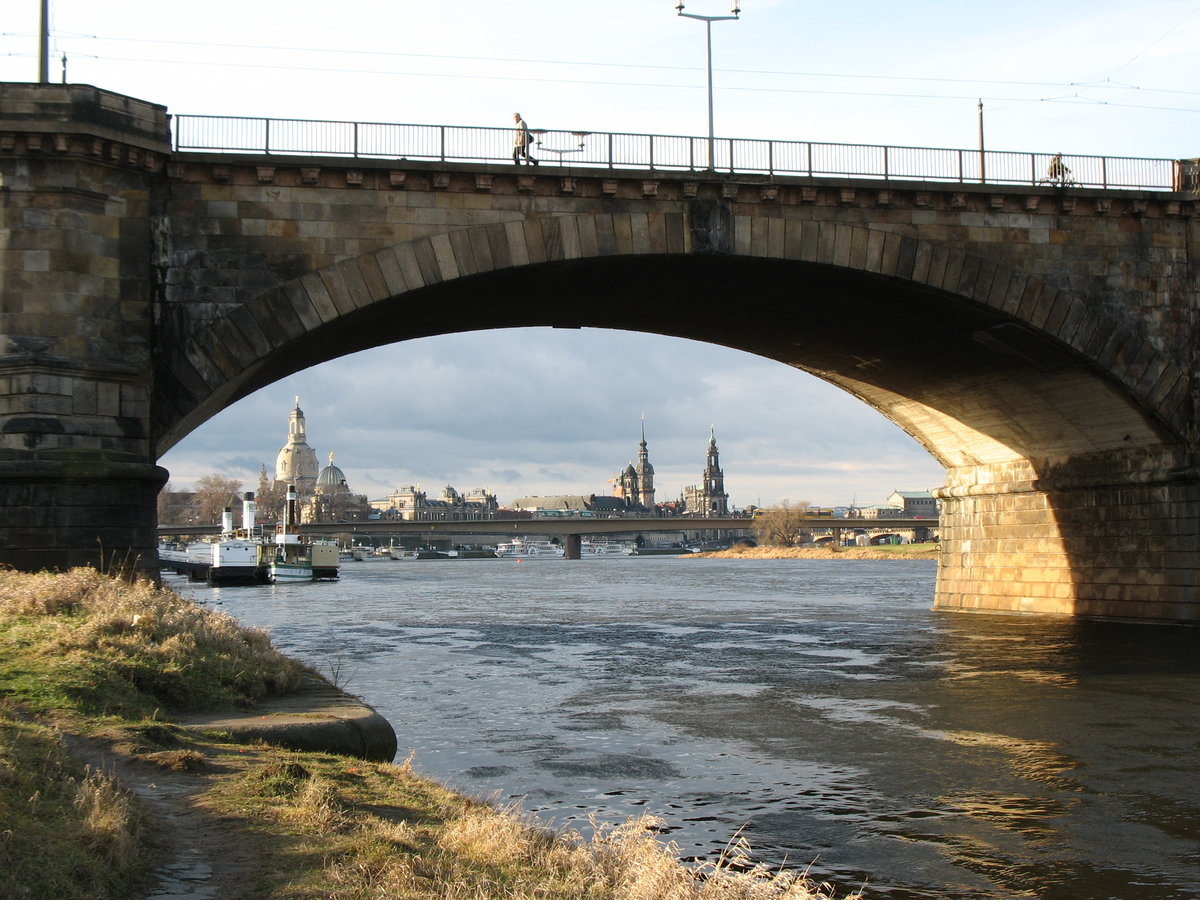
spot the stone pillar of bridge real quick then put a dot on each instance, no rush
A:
(78, 171)
(1113, 536)
(572, 544)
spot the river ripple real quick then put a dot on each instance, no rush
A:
(819, 706)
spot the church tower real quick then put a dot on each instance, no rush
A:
(645, 473)
(297, 462)
(708, 498)
(714, 479)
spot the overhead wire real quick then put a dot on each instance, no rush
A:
(584, 63)
(1105, 84)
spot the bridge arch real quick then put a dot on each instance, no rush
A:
(1040, 341)
(977, 361)
(1038, 405)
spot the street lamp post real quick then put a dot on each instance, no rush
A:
(708, 20)
(44, 45)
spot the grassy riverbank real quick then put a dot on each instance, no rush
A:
(100, 795)
(883, 551)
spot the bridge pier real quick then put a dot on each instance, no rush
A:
(1116, 537)
(572, 544)
(76, 508)
(78, 483)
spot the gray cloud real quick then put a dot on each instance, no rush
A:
(486, 409)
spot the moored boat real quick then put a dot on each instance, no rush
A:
(246, 556)
(233, 558)
(594, 549)
(523, 548)
(291, 557)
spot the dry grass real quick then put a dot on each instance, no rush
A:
(382, 831)
(107, 645)
(66, 830)
(898, 551)
(106, 814)
(641, 867)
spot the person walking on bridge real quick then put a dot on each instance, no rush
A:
(521, 141)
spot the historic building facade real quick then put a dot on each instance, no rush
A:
(413, 504)
(914, 503)
(331, 499)
(708, 498)
(635, 483)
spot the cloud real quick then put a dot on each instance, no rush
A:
(545, 411)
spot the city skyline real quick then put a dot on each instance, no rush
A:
(417, 443)
(540, 411)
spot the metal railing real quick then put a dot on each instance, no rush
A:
(612, 150)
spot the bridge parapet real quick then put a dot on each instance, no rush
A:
(587, 150)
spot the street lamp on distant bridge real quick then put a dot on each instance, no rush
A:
(708, 20)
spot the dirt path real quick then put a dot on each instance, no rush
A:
(203, 856)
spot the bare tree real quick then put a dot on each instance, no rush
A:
(777, 526)
(270, 497)
(173, 506)
(213, 494)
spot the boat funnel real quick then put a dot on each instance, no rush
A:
(227, 520)
(291, 513)
(249, 512)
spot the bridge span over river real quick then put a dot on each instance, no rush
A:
(571, 530)
(1040, 338)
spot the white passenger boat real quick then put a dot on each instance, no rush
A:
(522, 548)
(246, 556)
(233, 558)
(592, 549)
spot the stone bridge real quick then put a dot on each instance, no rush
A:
(1040, 342)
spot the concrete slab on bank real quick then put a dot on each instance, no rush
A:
(317, 717)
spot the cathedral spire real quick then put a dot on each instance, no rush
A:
(645, 472)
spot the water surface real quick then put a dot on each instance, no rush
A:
(819, 707)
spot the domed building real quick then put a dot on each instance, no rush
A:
(331, 478)
(297, 461)
(331, 500)
(323, 492)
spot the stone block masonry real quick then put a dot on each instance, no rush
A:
(1039, 342)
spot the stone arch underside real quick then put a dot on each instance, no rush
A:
(1069, 488)
(1008, 369)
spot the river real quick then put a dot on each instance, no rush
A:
(818, 706)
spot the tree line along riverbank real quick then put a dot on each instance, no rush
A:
(103, 795)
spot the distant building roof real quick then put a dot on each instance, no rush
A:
(605, 503)
(560, 501)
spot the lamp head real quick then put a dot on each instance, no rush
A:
(679, 7)
(737, 9)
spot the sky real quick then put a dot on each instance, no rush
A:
(482, 409)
